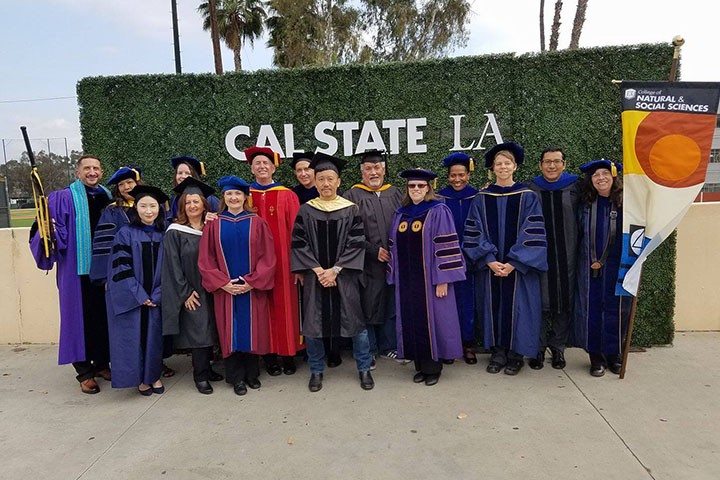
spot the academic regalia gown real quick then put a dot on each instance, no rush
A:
(305, 194)
(136, 338)
(278, 206)
(601, 317)
(560, 201)
(377, 212)
(505, 224)
(112, 219)
(180, 277)
(459, 204)
(424, 253)
(72, 344)
(325, 239)
(233, 246)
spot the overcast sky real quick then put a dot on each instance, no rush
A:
(48, 45)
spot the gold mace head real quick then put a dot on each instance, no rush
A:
(678, 41)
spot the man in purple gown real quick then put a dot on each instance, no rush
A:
(75, 212)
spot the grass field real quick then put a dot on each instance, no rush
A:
(23, 217)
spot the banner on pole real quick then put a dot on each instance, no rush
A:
(667, 135)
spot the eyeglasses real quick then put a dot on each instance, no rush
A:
(553, 162)
(416, 185)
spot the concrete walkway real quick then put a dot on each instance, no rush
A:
(661, 422)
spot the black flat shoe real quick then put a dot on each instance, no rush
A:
(253, 383)
(558, 359)
(204, 387)
(448, 361)
(273, 370)
(494, 367)
(469, 356)
(334, 360)
(159, 390)
(146, 393)
(366, 380)
(240, 388)
(432, 379)
(538, 362)
(419, 377)
(288, 366)
(215, 377)
(597, 370)
(315, 384)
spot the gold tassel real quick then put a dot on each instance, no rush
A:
(202, 169)
(472, 165)
(137, 174)
(276, 158)
(613, 169)
(435, 184)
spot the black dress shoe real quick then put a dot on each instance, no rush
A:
(214, 376)
(513, 367)
(615, 367)
(597, 370)
(288, 365)
(366, 380)
(558, 359)
(448, 361)
(538, 362)
(419, 377)
(432, 379)
(204, 387)
(315, 384)
(334, 360)
(240, 388)
(494, 367)
(273, 369)
(253, 383)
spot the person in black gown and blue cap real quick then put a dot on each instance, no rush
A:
(601, 317)
(505, 239)
(425, 262)
(328, 250)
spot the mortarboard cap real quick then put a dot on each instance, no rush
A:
(254, 151)
(123, 173)
(322, 162)
(590, 167)
(300, 156)
(517, 151)
(420, 174)
(231, 182)
(141, 191)
(459, 158)
(196, 164)
(194, 186)
(372, 156)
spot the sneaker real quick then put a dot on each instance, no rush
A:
(392, 355)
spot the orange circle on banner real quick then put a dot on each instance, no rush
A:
(671, 147)
(665, 152)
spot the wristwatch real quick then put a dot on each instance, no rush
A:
(336, 270)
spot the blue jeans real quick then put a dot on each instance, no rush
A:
(361, 352)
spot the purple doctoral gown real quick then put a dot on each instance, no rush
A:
(136, 342)
(505, 224)
(72, 337)
(424, 253)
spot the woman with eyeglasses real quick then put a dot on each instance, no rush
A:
(601, 317)
(425, 260)
(505, 239)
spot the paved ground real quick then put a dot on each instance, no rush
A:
(661, 422)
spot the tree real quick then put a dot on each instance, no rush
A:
(412, 30)
(238, 21)
(542, 25)
(311, 32)
(578, 24)
(555, 29)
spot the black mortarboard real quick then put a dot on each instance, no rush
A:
(196, 164)
(418, 174)
(372, 156)
(322, 162)
(517, 151)
(194, 186)
(146, 190)
(298, 156)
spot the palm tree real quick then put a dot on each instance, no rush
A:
(238, 21)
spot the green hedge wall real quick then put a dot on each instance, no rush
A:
(558, 98)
